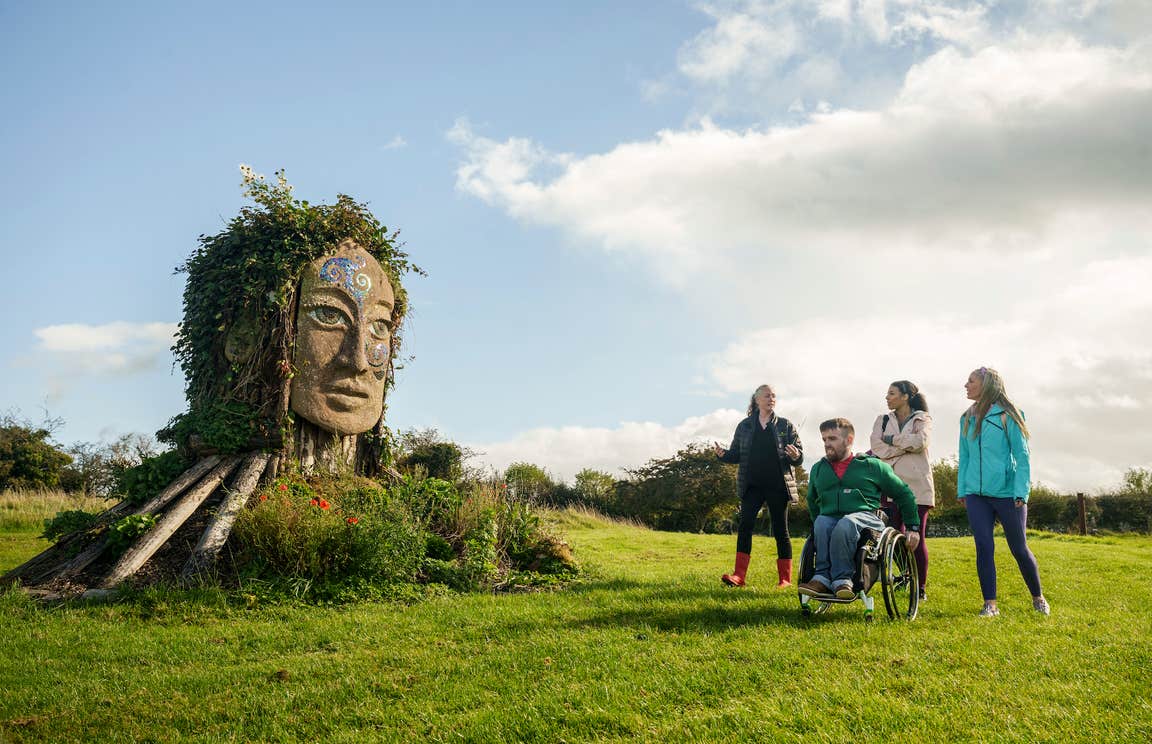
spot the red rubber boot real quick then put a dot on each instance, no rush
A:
(784, 568)
(736, 578)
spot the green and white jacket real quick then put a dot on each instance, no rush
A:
(859, 490)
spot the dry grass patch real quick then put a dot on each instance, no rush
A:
(22, 509)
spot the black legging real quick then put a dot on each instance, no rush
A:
(751, 503)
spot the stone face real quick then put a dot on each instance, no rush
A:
(343, 337)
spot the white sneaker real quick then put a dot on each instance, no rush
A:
(1041, 606)
(989, 611)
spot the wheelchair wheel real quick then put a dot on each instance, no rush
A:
(807, 569)
(898, 577)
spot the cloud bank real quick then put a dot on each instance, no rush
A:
(118, 348)
(991, 204)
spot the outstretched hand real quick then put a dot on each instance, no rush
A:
(718, 449)
(913, 540)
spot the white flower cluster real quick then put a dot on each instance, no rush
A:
(282, 184)
(250, 176)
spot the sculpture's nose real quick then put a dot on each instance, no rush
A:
(354, 352)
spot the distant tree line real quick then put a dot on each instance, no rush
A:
(31, 460)
(691, 491)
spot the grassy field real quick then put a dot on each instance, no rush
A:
(649, 646)
(24, 510)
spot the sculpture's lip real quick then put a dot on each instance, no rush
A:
(352, 392)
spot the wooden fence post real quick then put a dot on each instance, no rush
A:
(1080, 507)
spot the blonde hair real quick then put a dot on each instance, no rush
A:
(991, 392)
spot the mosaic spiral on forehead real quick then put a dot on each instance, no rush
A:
(346, 273)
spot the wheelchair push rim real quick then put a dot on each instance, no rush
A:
(899, 579)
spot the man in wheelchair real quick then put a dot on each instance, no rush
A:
(843, 498)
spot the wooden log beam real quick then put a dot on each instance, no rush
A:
(178, 514)
(176, 487)
(52, 562)
(188, 478)
(204, 555)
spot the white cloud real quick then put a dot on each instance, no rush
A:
(1069, 357)
(567, 450)
(117, 348)
(750, 40)
(395, 143)
(994, 207)
(966, 26)
(991, 150)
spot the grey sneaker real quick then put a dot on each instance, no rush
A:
(989, 611)
(1041, 606)
(923, 595)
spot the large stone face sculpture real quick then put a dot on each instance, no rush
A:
(291, 324)
(343, 341)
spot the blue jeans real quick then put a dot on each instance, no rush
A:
(836, 541)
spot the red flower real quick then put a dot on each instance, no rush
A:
(503, 486)
(314, 502)
(263, 497)
(352, 520)
(323, 504)
(283, 486)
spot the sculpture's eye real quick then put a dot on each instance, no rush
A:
(329, 317)
(381, 328)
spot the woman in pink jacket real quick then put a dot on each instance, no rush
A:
(900, 438)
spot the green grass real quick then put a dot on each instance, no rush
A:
(28, 509)
(649, 646)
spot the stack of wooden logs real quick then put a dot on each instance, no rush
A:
(62, 566)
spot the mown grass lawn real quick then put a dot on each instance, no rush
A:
(649, 646)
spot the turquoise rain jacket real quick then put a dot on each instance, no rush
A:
(996, 463)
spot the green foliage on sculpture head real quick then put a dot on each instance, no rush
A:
(235, 343)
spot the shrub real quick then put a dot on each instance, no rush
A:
(692, 491)
(528, 482)
(124, 532)
(298, 532)
(140, 483)
(354, 537)
(67, 522)
(27, 458)
(1048, 510)
(1125, 511)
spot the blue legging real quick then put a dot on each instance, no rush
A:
(982, 513)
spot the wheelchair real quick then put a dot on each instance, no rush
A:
(880, 556)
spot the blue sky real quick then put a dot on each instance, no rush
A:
(630, 213)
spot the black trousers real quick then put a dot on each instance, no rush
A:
(751, 503)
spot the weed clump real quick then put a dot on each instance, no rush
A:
(353, 538)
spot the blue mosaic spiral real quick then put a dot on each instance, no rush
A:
(346, 273)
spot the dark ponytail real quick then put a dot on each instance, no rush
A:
(916, 399)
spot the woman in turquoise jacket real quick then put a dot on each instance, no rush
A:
(993, 483)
